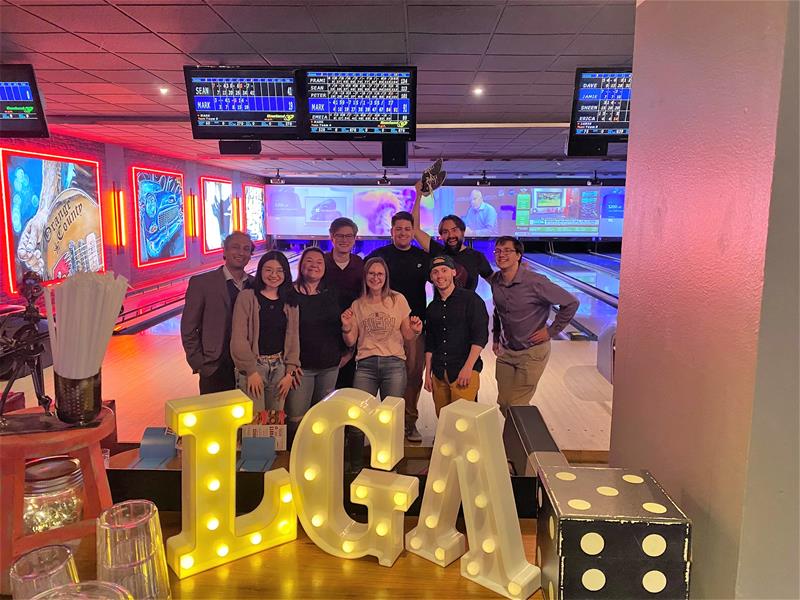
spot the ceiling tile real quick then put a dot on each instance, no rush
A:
(39, 61)
(16, 20)
(601, 44)
(570, 63)
(89, 19)
(96, 88)
(497, 62)
(228, 59)
(614, 18)
(556, 77)
(528, 44)
(261, 19)
(452, 19)
(123, 99)
(177, 19)
(209, 43)
(52, 42)
(91, 61)
(171, 62)
(500, 77)
(300, 59)
(125, 42)
(464, 77)
(365, 43)
(338, 18)
(447, 43)
(125, 77)
(372, 59)
(65, 75)
(442, 89)
(547, 19)
(446, 62)
(175, 77)
(301, 43)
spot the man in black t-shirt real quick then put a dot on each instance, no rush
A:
(408, 274)
(469, 263)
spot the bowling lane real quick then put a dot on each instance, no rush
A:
(596, 278)
(603, 262)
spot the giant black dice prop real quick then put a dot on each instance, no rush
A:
(609, 533)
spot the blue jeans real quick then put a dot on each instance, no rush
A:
(315, 384)
(272, 369)
(386, 374)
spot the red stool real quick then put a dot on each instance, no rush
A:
(83, 444)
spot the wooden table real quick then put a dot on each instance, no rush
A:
(300, 569)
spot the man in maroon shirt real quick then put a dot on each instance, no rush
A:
(344, 272)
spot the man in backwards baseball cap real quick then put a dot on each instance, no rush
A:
(457, 330)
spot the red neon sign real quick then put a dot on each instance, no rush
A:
(160, 230)
(77, 238)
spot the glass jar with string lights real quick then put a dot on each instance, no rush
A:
(53, 493)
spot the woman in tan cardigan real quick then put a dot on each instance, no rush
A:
(265, 342)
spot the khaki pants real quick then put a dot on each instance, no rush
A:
(415, 365)
(445, 392)
(518, 373)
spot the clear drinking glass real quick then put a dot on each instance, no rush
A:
(42, 569)
(130, 550)
(87, 590)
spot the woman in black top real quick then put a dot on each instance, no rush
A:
(321, 343)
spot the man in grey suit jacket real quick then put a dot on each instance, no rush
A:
(207, 314)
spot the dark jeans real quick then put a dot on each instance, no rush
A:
(346, 373)
(222, 380)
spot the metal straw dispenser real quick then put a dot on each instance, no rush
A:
(78, 401)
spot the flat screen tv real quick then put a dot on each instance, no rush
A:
(601, 108)
(21, 111)
(359, 103)
(242, 103)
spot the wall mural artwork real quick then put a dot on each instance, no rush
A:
(254, 211)
(217, 212)
(52, 215)
(160, 224)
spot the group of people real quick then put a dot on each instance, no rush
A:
(365, 323)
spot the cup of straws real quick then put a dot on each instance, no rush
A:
(81, 313)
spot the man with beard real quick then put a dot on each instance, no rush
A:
(469, 262)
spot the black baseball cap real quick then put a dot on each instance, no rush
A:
(442, 261)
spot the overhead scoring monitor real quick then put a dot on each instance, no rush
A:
(242, 102)
(365, 103)
(21, 111)
(601, 110)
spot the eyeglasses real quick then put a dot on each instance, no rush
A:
(504, 251)
(273, 271)
(344, 236)
(376, 275)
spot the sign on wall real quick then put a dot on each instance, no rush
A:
(254, 211)
(52, 215)
(217, 212)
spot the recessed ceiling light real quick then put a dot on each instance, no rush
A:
(164, 91)
(477, 91)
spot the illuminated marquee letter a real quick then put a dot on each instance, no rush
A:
(211, 533)
(469, 467)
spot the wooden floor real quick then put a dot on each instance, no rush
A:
(141, 372)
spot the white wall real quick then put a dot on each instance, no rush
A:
(707, 82)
